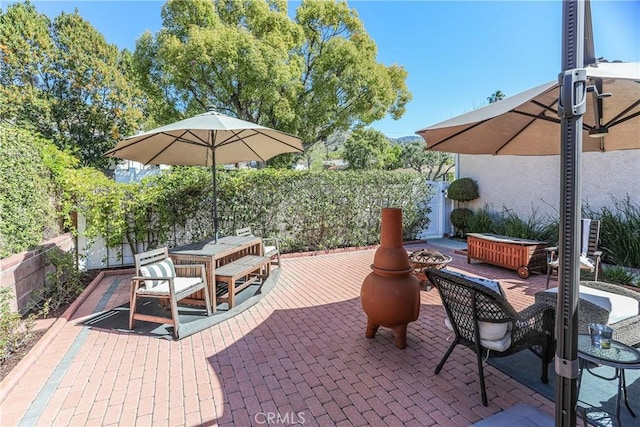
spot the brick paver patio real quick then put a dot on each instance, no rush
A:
(299, 356)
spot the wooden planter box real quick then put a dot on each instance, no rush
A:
(521, 255)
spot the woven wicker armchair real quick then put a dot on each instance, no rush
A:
(625, 331)
(475, 312)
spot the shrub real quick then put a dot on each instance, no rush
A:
(533, 227)
(27, 217)
(619, 232)
(62, 285)
(459, 218)
(463, 190)
(14, 332)
(620, 275)
(481, 221)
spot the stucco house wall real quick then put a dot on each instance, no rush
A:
(528, 183)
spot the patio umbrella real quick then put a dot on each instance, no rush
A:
(591, 99)
(528, 123)
(207, 139)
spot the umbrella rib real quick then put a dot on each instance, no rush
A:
(237, 138)
(457, 133)
(518, 133)
(620, 119)
(175, 139)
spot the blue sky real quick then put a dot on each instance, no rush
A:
(457, 53)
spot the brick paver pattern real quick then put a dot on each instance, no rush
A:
(299, 356)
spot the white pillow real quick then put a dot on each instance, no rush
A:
(162, 268)
(493, 285)
(496, 336)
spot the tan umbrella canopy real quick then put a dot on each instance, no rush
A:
(528, 123)
(593, 105)
(207, 139)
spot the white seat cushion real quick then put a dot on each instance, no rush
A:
(181, 283)
(585, 263)
(494, 336)
(270, 250)
(620, 307)
(164, 269)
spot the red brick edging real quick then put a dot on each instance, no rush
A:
(9, 382)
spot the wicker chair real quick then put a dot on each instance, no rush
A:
(474, 311)
(592, 256)
(626, 331)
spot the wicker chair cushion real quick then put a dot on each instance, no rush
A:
(495, 336)
(493, 285)
(620, 307)
(180, 283)
(164, 269)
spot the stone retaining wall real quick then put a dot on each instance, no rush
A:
(25, 272)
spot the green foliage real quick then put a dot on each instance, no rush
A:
(463, 190)
(621, 276)
(496, 96)
(62, 285)
(62, 79)
(434, 164)
(370, 149)
(14, 331)
(532, 227)
(483, 220)
(459, 218)
(619, 232)
(309, 76)
(306, 210)
(26, 214)
(507, 223)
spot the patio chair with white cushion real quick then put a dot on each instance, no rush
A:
(156, 278)
(271, 245)
(589, 254)
(483, 320)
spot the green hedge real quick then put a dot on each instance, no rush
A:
(27, 216)
(306, 210)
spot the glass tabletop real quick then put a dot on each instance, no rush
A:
(618, 353)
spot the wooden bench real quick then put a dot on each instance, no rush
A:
(251, 268)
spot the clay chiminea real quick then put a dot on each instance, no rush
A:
(390, 294)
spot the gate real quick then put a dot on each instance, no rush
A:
(439, 223)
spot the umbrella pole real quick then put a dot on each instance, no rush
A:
(571, 108)
(215, 194)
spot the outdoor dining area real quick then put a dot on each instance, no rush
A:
(212, 272)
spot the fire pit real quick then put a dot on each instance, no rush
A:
(427, 258)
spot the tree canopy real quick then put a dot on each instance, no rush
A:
(370, 149)
(434, 164)
(63, 80)
(309, 76)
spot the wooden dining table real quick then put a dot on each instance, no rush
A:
(215, 254)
